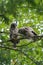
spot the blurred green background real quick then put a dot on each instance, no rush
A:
(26, 13)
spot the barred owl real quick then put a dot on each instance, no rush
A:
(28, 32)
(14, 34)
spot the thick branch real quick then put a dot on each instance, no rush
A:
(6, 47)
(24, 38)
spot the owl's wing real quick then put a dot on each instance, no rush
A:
(27, 32)
(22, 31)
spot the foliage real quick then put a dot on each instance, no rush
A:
(26, 13)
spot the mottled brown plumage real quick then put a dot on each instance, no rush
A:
(14, 34)
(28, 32)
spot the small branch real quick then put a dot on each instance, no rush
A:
(25, 44)
(6, 47)
(22, 39)
(41, 36)
(36, 37)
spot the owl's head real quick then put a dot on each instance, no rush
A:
(13, 25)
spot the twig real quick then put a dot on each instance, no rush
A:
(21, 39)
(6, 47)
(25, 44)
(25, 38)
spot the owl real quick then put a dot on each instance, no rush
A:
(14, 34)
(28, 32)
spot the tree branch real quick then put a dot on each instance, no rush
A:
(24, 38)
(6, 47)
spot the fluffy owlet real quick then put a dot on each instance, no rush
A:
(14, 34)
